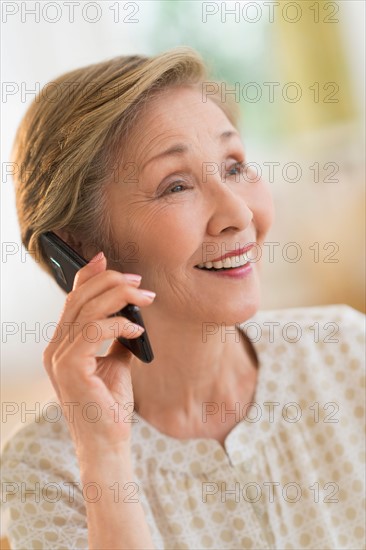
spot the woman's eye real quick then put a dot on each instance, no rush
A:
(174, 186)
(238, 167)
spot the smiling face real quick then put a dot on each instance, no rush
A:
(187, 207)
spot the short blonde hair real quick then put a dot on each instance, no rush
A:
(69, 139)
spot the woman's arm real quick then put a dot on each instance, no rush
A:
(116, 519)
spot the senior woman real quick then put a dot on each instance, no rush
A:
(225, 440)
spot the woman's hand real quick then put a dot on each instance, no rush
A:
(95, 393)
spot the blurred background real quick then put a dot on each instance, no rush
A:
(298, 70)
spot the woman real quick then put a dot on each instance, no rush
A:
(241, 433)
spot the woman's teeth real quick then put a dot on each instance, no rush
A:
(227, 263)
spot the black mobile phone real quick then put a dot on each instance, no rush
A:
(65, 263)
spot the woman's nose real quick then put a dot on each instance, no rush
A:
(229, 206)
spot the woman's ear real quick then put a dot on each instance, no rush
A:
(86, 250)
(69, 239)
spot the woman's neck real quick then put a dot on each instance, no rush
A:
(199, 393)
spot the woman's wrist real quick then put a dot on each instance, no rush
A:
(92, 454)
(116, 518)
(109, 478)
(105, 462)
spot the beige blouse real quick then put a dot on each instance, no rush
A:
(291, 475)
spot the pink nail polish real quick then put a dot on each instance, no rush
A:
(97, 257)
(133, 277)
(148, 293)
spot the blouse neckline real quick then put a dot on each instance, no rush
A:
(243, 430)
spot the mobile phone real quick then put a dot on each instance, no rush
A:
(65, 263)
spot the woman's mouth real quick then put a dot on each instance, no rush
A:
(228, 263)
(233, 266)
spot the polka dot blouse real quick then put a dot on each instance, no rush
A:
(291, 474)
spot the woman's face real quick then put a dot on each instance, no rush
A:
(188, 207)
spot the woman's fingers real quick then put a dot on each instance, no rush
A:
(90, 281)
(77, 359)
(104, 305)
(93, 267)
(70, 309)
(90, 284)
(112, 300)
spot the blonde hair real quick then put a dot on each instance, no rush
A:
(69, 139)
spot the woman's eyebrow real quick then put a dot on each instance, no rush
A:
(179, 149)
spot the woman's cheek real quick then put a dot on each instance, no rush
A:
(263, 210)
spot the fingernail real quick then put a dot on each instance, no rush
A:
(97, 257)
(138, 328)
(132, 277)
(134, 326)
(148, 293)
